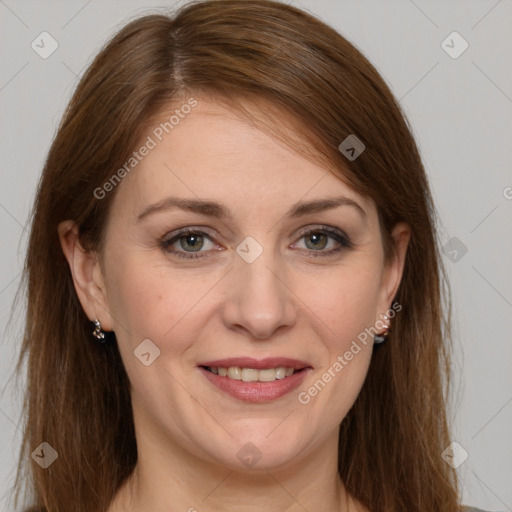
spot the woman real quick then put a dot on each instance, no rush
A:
(234, 284)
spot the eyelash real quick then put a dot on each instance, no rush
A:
(339, 237)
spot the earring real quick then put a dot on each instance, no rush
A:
(381, 338)
(98, 332)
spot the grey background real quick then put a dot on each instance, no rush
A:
(460, 110)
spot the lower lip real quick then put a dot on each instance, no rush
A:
(256, 391)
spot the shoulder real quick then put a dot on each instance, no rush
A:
(465, 508)
(473, 509)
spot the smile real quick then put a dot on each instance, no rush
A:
(252, 374)
(256, 385)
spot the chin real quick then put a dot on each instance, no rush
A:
(259, 452)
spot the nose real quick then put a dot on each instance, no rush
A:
(259, 300)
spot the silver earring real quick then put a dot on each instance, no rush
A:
(381, 338)
(98, 332)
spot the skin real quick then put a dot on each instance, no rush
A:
(286, 303)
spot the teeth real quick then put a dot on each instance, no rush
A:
(266, 375)
(281, 372)
(249, 375)
(253, 375)
(234, 373)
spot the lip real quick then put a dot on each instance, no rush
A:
(256, 392)
(257, 364)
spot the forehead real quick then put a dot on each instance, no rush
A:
(209, 152)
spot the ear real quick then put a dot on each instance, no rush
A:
(87, 275)
(392, 272)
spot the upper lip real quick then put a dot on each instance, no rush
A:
(257, 364)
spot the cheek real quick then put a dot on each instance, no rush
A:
(136, 299)
(345, 301)
(347, 310)
(345, 304)
(149, 304)
(149, 301)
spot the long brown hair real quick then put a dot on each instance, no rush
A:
(77, 397)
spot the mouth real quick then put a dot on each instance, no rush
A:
(253, 380)
(253, 374)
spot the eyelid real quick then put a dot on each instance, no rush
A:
(335, 233)
(338, 235)
(186, 230)
(322, 227)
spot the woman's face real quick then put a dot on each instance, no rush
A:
(249, 285)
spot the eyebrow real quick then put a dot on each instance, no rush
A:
(214, 209)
